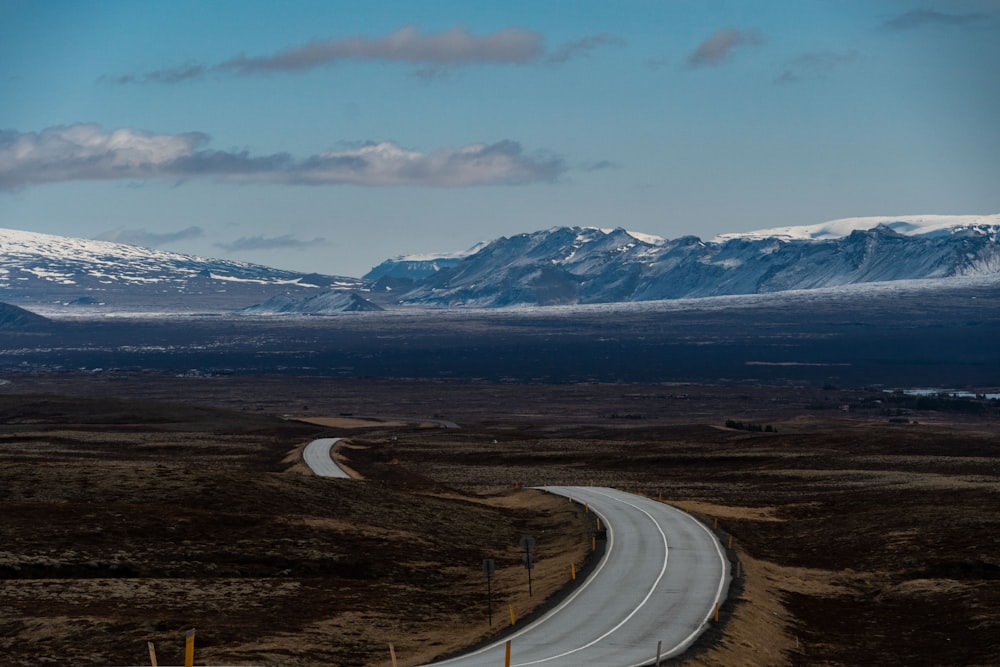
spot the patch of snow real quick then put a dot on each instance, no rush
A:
(907, 225)
(433, 256)
(257, 281)
(730, 263)
(649, 239)
(54, 276)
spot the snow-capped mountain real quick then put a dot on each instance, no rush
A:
(569, 265)
(908, 225)
(44, 270)
(562, 265)
(411, 268)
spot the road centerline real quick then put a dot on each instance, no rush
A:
(645, 599)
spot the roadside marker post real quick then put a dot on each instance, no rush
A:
(189, 649)
(512, 619)
(715, 524)
(152, 653)
(392, 654)
(572, 571)
(529, 564)
(527, 543)
(730, 541)
(659, 647)
(489, 569)
(507, 658)
(716, 613)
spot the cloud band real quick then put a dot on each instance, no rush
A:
(87, 152)
(431, 51)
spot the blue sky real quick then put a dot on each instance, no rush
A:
(328, 136)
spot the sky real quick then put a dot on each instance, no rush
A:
(329, 136)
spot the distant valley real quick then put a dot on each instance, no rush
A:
(884, 309)
(888, 336)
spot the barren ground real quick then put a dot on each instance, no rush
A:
(860, 540)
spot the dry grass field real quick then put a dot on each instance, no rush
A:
(865, 535)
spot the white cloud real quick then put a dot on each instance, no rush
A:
(388, 164)
(87, 152)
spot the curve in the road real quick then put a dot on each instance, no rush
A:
(661, 577)
(318, 455)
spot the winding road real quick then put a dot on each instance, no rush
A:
(661, 577)
(318, 455)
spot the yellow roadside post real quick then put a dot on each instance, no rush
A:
(152, 653)
(189, 649)
(572, 571)
(392, 654)
(507, 658)
(513, 620)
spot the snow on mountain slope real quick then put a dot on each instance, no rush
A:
(907, 225)
(557, 266)
(420, 266)
(47, 269)
(37, 254)
(571, 265)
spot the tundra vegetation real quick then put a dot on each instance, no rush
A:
(131, 517)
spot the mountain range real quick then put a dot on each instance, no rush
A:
(572, 265)
(562, 265)
(44, 271)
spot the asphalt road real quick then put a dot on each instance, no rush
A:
(661, 577)
(319, 457)
(662, 574)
